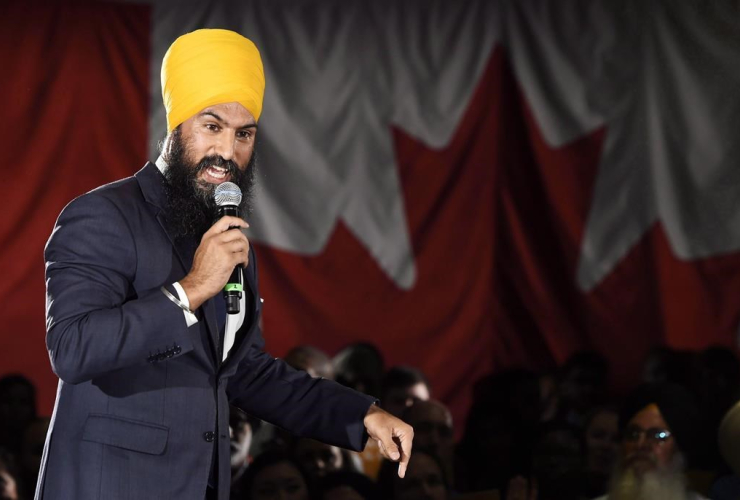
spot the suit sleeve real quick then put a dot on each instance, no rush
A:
(95, 322)
(322, 409)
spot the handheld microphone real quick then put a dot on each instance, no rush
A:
(228, 196)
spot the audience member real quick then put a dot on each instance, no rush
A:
(32, 448)
(715, 383)
(658, 434)
(601, 445)
(10, 488)
(515, 391)
(663, 364)
(17, 410)
(312, 360)
(425, 479)
(727, 485)
(583, 385)
(557, 464)
(360, 366)
(241, 430)
(347, 485)
(319, 459)
(490, 451)
(401, 387)
(276, 475)
(432, 423)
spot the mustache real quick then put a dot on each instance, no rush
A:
(640, 455)
(230, 165)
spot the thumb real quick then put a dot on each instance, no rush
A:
(389, 448)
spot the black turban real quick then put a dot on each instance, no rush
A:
(677, 406)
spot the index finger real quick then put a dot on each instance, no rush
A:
(227, 222)
(405, 449)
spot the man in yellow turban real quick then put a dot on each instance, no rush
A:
(137, 325)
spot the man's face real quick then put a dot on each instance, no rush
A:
(214, 146)
(424, 480)
(398, 399)
(432, 425)
(318, 459)
(222, 132)
(642, 450)
(240, 433)
(650, 464)
(602, 441)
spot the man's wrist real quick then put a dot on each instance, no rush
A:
(372, 410)
(191, 295)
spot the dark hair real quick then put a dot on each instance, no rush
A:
(402, 376)
(268, 459)
(360, 483)
(360, 366)
(388, 473)
(14, 379)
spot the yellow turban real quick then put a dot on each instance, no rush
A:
(208, 67)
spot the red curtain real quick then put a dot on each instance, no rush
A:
(496, 220)
(74, 110)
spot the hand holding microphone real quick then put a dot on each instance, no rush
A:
(220, 252)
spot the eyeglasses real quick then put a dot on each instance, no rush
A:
(652, 435)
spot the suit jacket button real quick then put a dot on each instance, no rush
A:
(209, 436)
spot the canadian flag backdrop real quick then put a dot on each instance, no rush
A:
(470, 186)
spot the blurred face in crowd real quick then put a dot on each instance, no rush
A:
(397, 399)
(33, 445)
(602, 441)
(424, 480)
(8, 486)
(310, 360)
(241, 439)
(318, 459)
(17, 406)
(432, 423)
(281, 481)
(341, 493)
(580, 387)
(650, 465)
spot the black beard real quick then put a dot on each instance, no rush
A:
(191, 208)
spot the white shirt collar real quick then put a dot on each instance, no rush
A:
(161, 164)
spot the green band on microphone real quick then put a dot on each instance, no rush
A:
(234, 287)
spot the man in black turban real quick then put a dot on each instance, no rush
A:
(658, 424)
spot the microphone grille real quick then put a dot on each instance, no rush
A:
(227, 193)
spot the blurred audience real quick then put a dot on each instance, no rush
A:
(582, 386)
(425, 478)
(10, 487)
(553, 435)
(32, 448)
(275, 475)
(601, 445)
(320, 459)
(432, 423)
(241, 430)
(347, 485)
(17, 410)
(312, 360)
(401, 387)
(361, 367)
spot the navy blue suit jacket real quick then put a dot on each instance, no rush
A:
(143, 398)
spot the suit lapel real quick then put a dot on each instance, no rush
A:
(152, 182)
